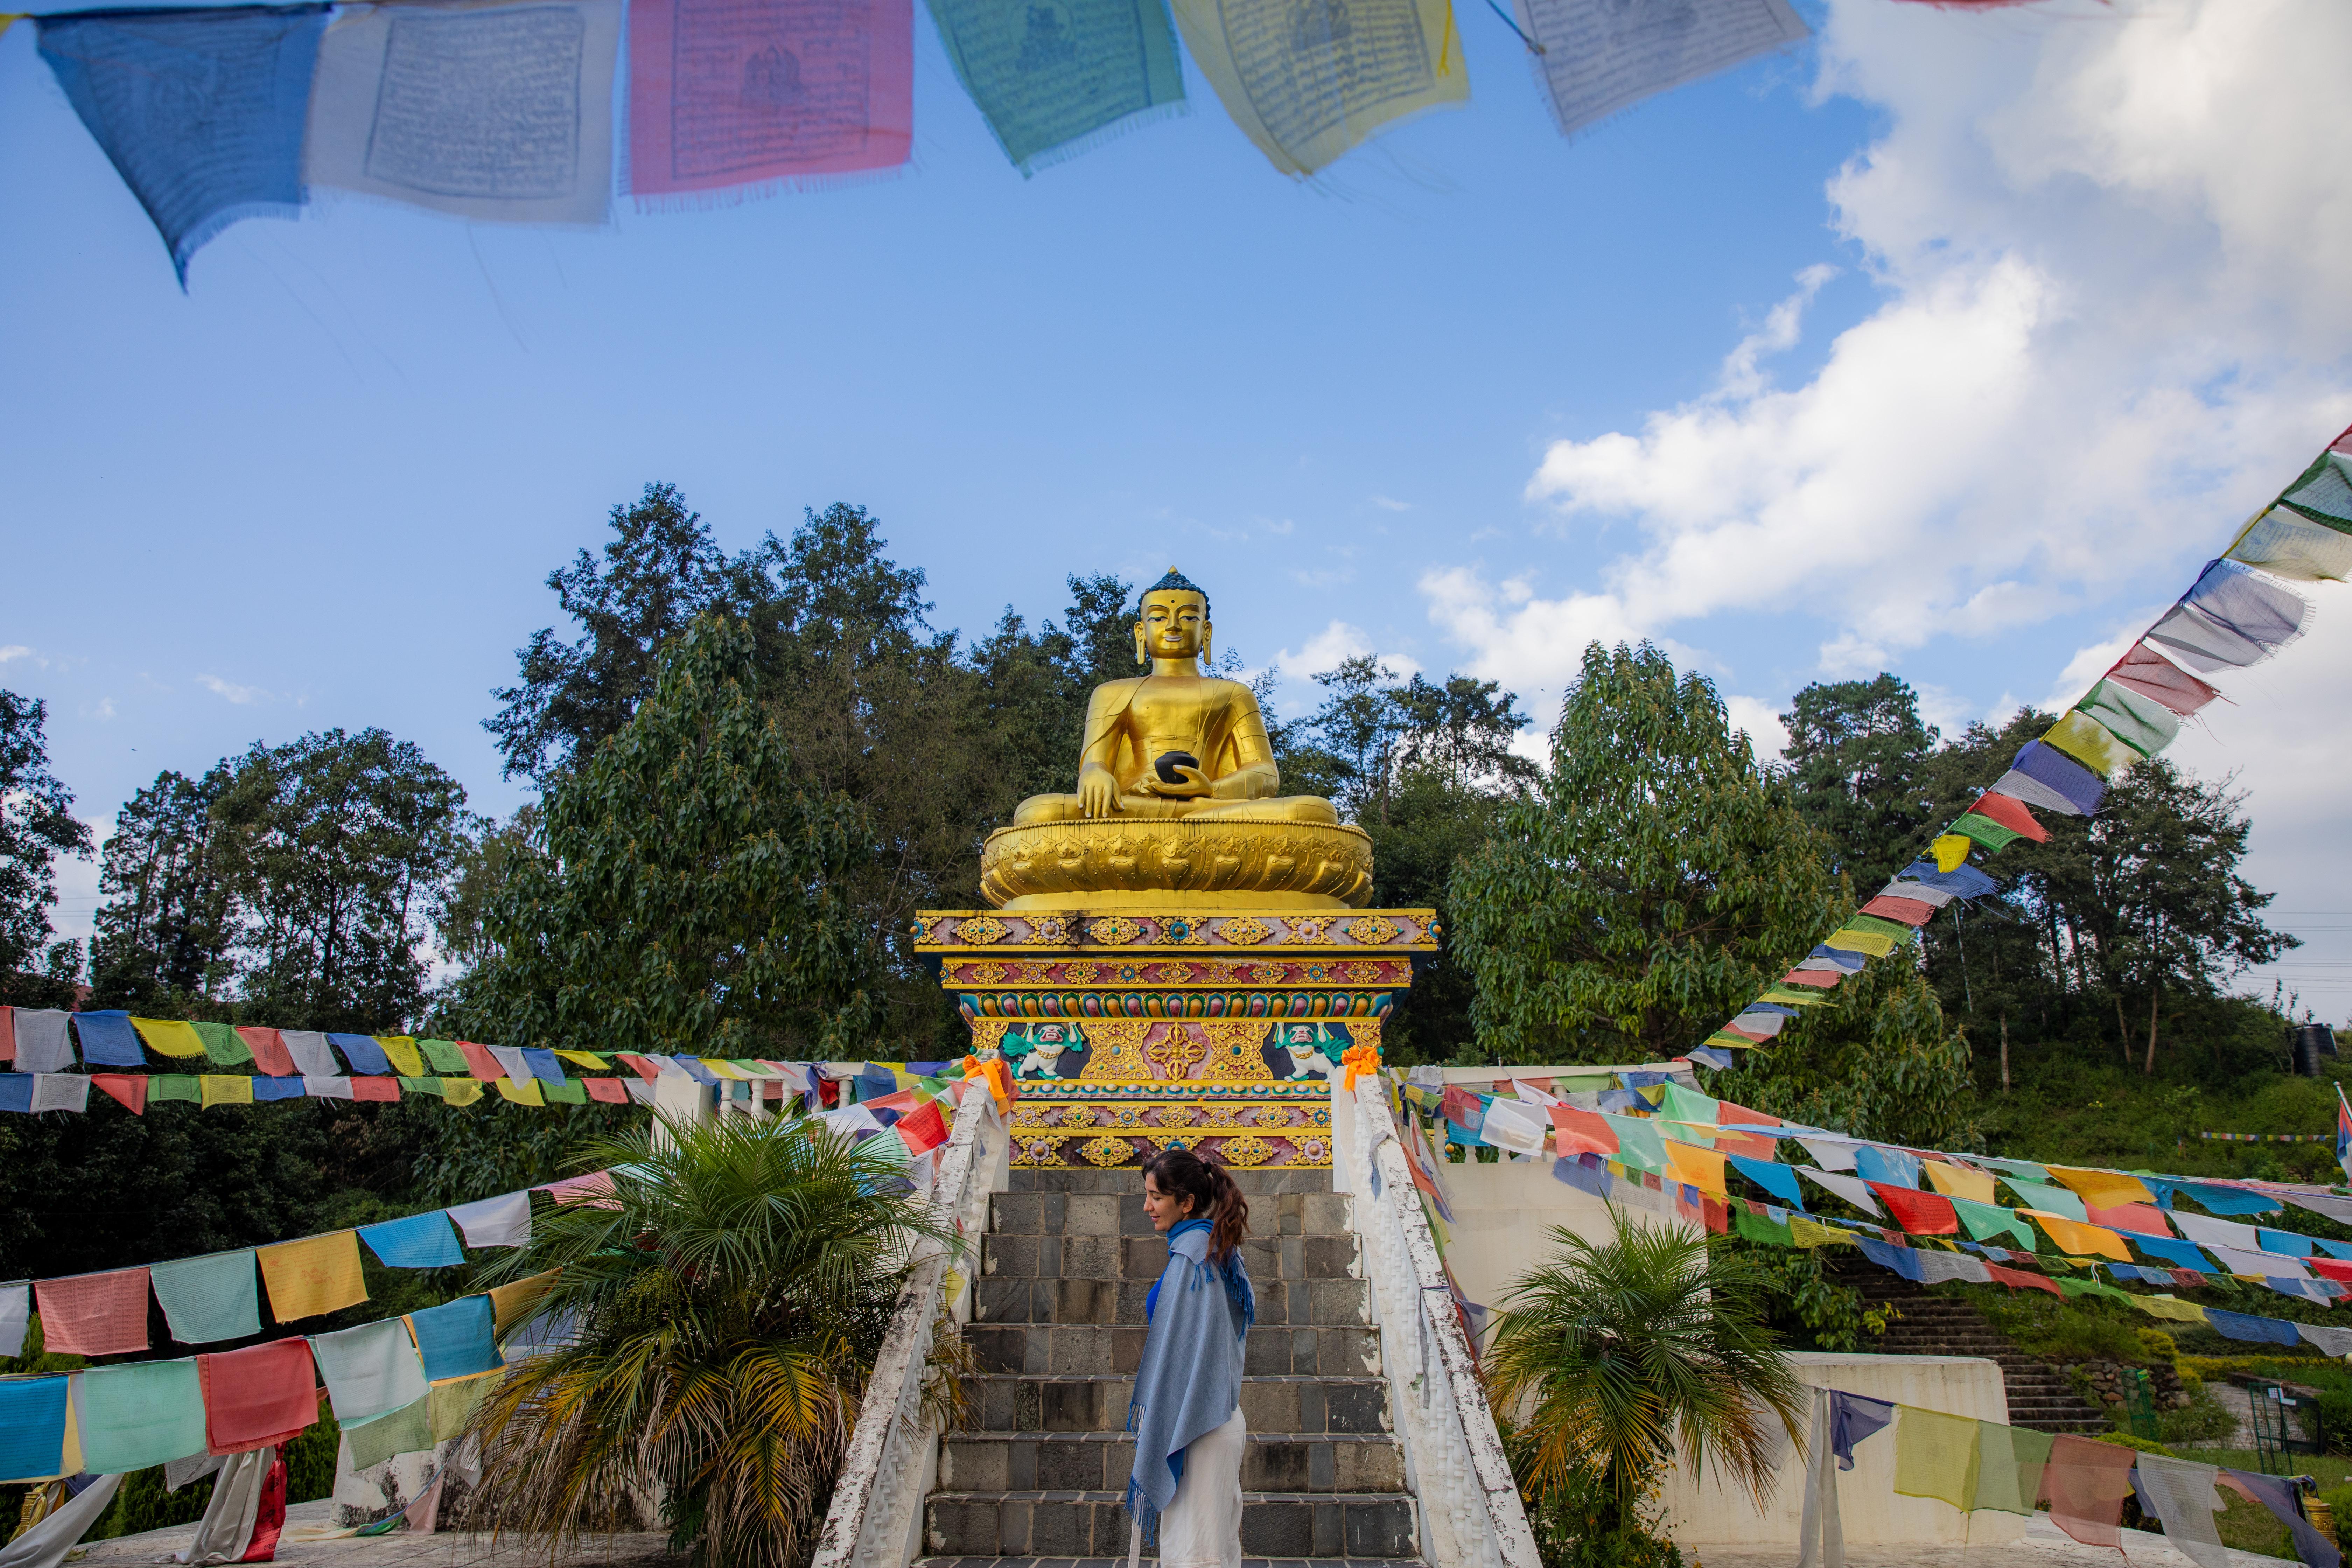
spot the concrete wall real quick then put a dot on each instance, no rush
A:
(1503, 1219)
(1712, 1510)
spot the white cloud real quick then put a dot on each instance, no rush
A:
(241, 695)
(1329, 647)
(105, 709)
(1767, 735)
(1386, 504)
(15, 650)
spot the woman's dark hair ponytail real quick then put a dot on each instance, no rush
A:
(1216, 1196)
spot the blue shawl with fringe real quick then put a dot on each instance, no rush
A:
(1190, 1381)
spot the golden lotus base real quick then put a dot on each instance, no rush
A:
(1129, 864)
(1105, 1126)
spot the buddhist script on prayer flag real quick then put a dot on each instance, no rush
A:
(503, 113)
(739, 92)
(1050, 73)
(1307, 79)
(1602, 55)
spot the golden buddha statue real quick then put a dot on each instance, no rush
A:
(1175, 803)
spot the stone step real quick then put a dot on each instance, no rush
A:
(1058, 1256)
(1014, 1402)
(1121, 1213)
(1254, 1185)
(1281, 1304)
(1063, 1525)
(1101, 1461)
(1093, 1349)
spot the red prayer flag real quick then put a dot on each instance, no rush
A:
(1822, 978)
(1921, 1214)
(2018, 1279)
(1752, 1145)
(1578, 1132)
(2158, 679)
(924, 1129)
(93, 1314)
(7, 1033)
(611, 1090)
(263, 1394)
(2145, 1219)
(1910, 912)
(2335, 1269)
(379, 1088)
(2010, 813)
(1760, 1039)
(1727, 1114)
(269, 1052)
(643, 1067)
(270, 1520)
(2086, 1482)
(1718, 1214)
(130, 1088)
(479, 1062)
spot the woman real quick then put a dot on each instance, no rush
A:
(1186, 1486)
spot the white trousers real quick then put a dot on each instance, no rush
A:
(1201, 1528)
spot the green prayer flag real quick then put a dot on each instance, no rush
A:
(2144, 725)
(445, 1056)
(224, 1045)
(1763, 1228)
(174, 1086)
(571, 1091)
(1987, 832)
(407, 1430)
(431, 1085)
(1984, 1221)
(1052, 81)
(2009, 1467)
(1638, 1144)
(2064, 1202)
(1894, 928)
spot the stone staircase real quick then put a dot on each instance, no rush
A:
(2039, 1395)
(1058, 1327)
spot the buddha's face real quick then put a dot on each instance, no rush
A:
(1174, 624)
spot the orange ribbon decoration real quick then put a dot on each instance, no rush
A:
(1358, 1061)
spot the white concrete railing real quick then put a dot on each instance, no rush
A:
(877, 1516)
(1470, 1510)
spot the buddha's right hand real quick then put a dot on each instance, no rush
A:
(1097, 790)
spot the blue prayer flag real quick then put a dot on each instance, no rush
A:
(456, 1339)
(420, 1241)
(1901, 1260)
(544, 1065)
(1778, 1180)
(32, 1427)
(1891, 1166)
(365, 1056)
(108, 1040)
(2285, 1243)
(266, 1087)
(697, 1071)
(202, 113)
(1585, 1178)
(2245, 1326)
(2180, 1254)
(16, 1091)
(1710, 1056)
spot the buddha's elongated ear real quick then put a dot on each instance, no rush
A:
(1205, 629)
(1139, 642)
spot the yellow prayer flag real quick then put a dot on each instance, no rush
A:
(720, 1066)
(170, 1037)
(509, 1304)
(226, 1089)
(406, 1058)
(1695, 1167)
(2104, 1189)
(1876, 943)
(1935, 1455)
(523, 1093)
(1812, 1233)
(1794, 998)
(1951, 851)
(2171, 1307)
(1307, 91)
(2074, 1237)
(318, 1274)
(460, 1090)
(585, 1060)
(1957, 1182)
(2090, 743)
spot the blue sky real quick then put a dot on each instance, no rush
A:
(1946, 343)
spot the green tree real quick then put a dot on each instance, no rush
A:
(337, 849)
(721, 1315)
(167, 922)
(37, 826)
(1855, 752)
(1621, 1354)
(686, 892)
(1649, 884)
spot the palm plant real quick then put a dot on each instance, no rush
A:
(1620, 1353)
(713, 1325)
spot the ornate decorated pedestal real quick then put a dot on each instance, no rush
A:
(1132, 1031)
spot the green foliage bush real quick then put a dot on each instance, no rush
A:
(2204, 1420)
(2070, 1330)
(1578, 1526)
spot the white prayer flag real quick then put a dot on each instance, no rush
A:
(60, 1091)
(503, 1221)
(1853, 1189)
(42, 1043)
(1602, 56)
(333, 1086)
(15, 1316)
(313, 1057)
(495, 112)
